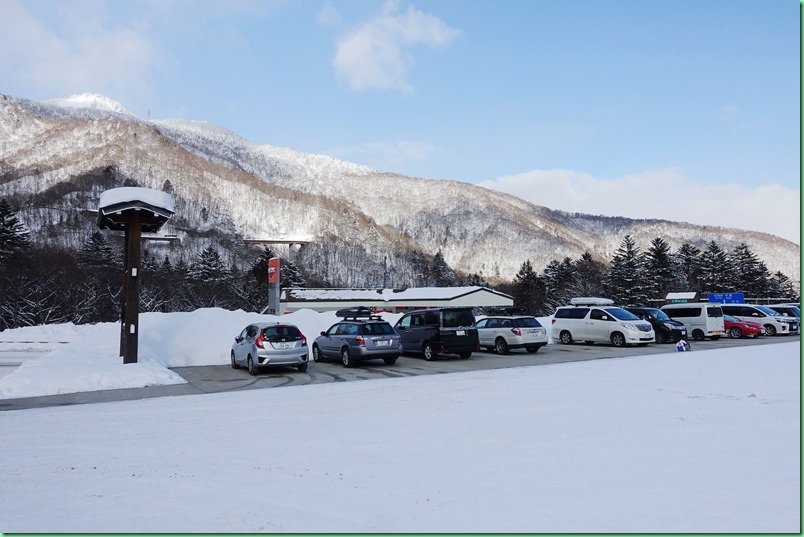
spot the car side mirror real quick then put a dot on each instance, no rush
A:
(323, 333)
(238, 339)
(605, 317)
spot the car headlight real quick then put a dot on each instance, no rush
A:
(631, 327)
(669, 326)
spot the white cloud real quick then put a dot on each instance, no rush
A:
(665, 194)
(376, 55)
(77, 50)
(386, 155)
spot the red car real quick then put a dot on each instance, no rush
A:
(736, 328)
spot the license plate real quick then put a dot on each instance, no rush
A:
(283, 345)
(460, 332)
(383, 343)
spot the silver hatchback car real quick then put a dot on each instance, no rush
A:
(267, 344)
(511, 332)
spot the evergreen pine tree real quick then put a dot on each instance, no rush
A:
(750, 275)
(96, 252)
(558, 278)
(661, 271)
(528, 289)
(626, 275)
(588, 276)
(780, 286)
(716, 270)
(13, 234)
(689, 260)
(443, 275)
(208, 267)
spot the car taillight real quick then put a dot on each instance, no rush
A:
(361, 341)
(516, 331)
(260, 341)
(303, 340)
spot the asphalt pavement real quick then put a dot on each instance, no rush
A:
(222, 378)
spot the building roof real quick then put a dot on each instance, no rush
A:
(690, 295)
(382, 295)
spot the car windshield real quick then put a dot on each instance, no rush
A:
(528, 322)
(657, 314)
(282, 332)
(377, 329)
(456, 318)
(766, 309)
(621, 314)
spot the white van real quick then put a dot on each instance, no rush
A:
(702, 319)
(774, 323)
(597, 320)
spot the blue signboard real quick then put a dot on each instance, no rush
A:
(727, 298)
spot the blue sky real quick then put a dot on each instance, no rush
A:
(608, 107)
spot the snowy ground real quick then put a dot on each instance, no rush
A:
(706, 441)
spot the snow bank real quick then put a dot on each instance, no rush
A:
(90, 361)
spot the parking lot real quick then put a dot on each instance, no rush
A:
(222, 378)
(210, 379)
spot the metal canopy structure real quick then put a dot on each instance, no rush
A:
(134, 211)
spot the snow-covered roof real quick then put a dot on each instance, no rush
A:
(690, 295)
(383, 295)
(126, 194)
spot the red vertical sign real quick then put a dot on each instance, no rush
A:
(273, 270)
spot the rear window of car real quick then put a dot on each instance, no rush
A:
(571, 313)
(714, 312)
(377, 329)
(456, 318)
(278, 333)
(528, 323)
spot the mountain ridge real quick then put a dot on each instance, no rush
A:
(215, 172)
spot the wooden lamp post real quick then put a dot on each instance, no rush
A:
(133, 210)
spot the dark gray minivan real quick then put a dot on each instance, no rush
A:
(439, 331)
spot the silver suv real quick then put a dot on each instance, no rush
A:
(265, 344)
(504, 333)
(358, 337)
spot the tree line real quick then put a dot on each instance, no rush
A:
(42, 285)
(635, 277)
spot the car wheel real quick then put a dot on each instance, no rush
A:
(466, 355)
(617, 339)
(501, 346)
(252, 369)
(770, 330)
(302, 368)
(735, 332)
(389, 361)
(698, 335)
(234, 364)
(566, 337)
(346, 358)
(316, 353)
(534, 348)
(429, 351)
(661, 337)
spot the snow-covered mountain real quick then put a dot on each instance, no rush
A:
(57, 156)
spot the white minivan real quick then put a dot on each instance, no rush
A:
(597, 320)
(702, 319)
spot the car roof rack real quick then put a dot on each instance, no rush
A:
(357, 313)
(591, 301)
